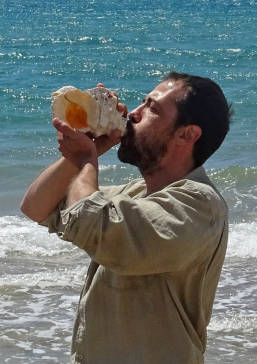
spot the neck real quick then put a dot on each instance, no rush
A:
(166, 174)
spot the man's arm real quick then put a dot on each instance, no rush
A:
(48, 189)
(164, 232)
(83, 185)
(79, 160)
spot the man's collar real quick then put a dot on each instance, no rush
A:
(198, 175)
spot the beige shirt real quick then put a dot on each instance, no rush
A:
(156, 262)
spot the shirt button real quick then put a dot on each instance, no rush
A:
(81, 356)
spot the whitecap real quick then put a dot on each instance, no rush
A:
(242, 240)
(236, 321)
(20, 236)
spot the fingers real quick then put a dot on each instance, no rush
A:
(64, 151)
(123, 109)
(106, 142)
(65, 129)
(115, 136)
(67, 137)
(74, 144)
(111, 93)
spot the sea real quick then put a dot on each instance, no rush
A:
(129, 46)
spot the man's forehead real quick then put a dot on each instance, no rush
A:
(168, 89)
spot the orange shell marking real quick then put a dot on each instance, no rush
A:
(76, 116)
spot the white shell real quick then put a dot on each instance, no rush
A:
(101, 108)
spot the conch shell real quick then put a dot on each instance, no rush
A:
(93, 110)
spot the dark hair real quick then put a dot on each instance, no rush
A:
(206, 106)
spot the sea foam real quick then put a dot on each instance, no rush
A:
(242, 240)
(18, 235)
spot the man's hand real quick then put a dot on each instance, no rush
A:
(120, 107)
(79, 148)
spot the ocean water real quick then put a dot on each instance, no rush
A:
(129, 46)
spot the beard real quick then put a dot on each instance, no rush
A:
(144, 152)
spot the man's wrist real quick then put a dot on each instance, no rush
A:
(85, 183)
(89, 173)
(90, 158)
(88, 161)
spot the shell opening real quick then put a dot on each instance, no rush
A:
(76, 116)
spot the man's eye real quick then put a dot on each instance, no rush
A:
(153, 108)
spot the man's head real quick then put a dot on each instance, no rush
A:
(182, 114)
(206, 106)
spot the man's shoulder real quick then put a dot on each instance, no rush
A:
(198, 183)
(132, 188)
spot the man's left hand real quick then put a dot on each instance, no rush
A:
(79, 147)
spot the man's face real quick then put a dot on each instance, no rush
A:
(150, 127)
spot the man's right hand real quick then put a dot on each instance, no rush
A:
(78, 147)
(120, 107)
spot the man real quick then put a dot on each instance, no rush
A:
(157, 244)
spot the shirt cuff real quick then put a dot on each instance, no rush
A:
(57, 220)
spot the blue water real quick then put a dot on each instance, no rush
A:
(129, 46)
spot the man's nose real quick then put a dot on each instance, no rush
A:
(136, 114)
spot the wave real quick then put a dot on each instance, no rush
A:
(235, 322)
(237, 184)
(240, 177)
(23, 238)
(242, 240)
(239, 188)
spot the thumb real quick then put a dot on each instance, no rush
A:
(105, 142)
(115, 136)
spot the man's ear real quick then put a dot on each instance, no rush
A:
(188, 134)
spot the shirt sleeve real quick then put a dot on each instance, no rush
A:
(164, 232)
